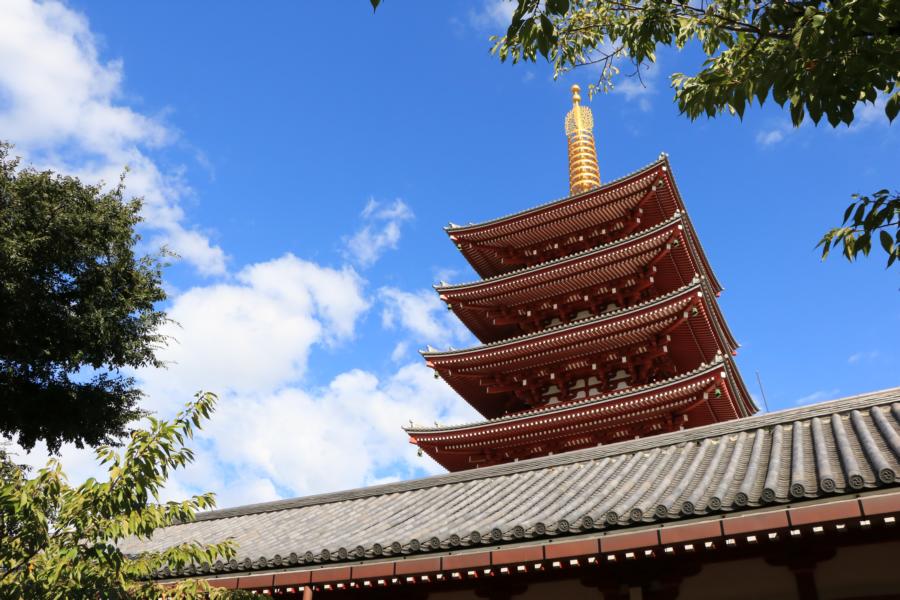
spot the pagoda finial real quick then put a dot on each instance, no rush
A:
(584, 173)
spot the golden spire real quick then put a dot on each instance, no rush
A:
(584, 173)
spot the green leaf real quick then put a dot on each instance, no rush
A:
(858, 215)
(779, 93)
(892, 107)
(863, 244)
(557, 7)
(543, 24)
(847, 213)
(543, 45)
(796, 113)
(886, 242)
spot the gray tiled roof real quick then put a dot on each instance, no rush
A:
(828, 449)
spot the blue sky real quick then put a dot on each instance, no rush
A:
(302, 158)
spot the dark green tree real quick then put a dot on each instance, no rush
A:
(77, 306)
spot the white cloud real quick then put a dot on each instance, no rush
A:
(248, 338)
(862, 357)
(817, 396)
(273, 433)
(870, 113)
(380, 232)
(780, 132)
(343, 435)
(294, 441)
(637, 88)
(422, 315)
(632, 88)
(398, 354)
(61, 106)
(254, 334)
(772, 136)
(244, 490)
(866, 115)
(446, 274)
(493, 14)
(79, 463)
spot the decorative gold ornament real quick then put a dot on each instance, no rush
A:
(584, 172)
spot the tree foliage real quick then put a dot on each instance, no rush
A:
(864, 219)
(76, 306)
(62, 541)
(819, 58)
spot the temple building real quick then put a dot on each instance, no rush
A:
(619, 456)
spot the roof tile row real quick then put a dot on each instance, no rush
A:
(836, 448)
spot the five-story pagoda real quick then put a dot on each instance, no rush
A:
(598, 317)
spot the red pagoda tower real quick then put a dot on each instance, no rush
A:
(598, 319)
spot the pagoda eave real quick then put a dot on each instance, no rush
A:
(489, 228)
(498, 377)
(491, 247)
(621, 274)
(708, 395)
